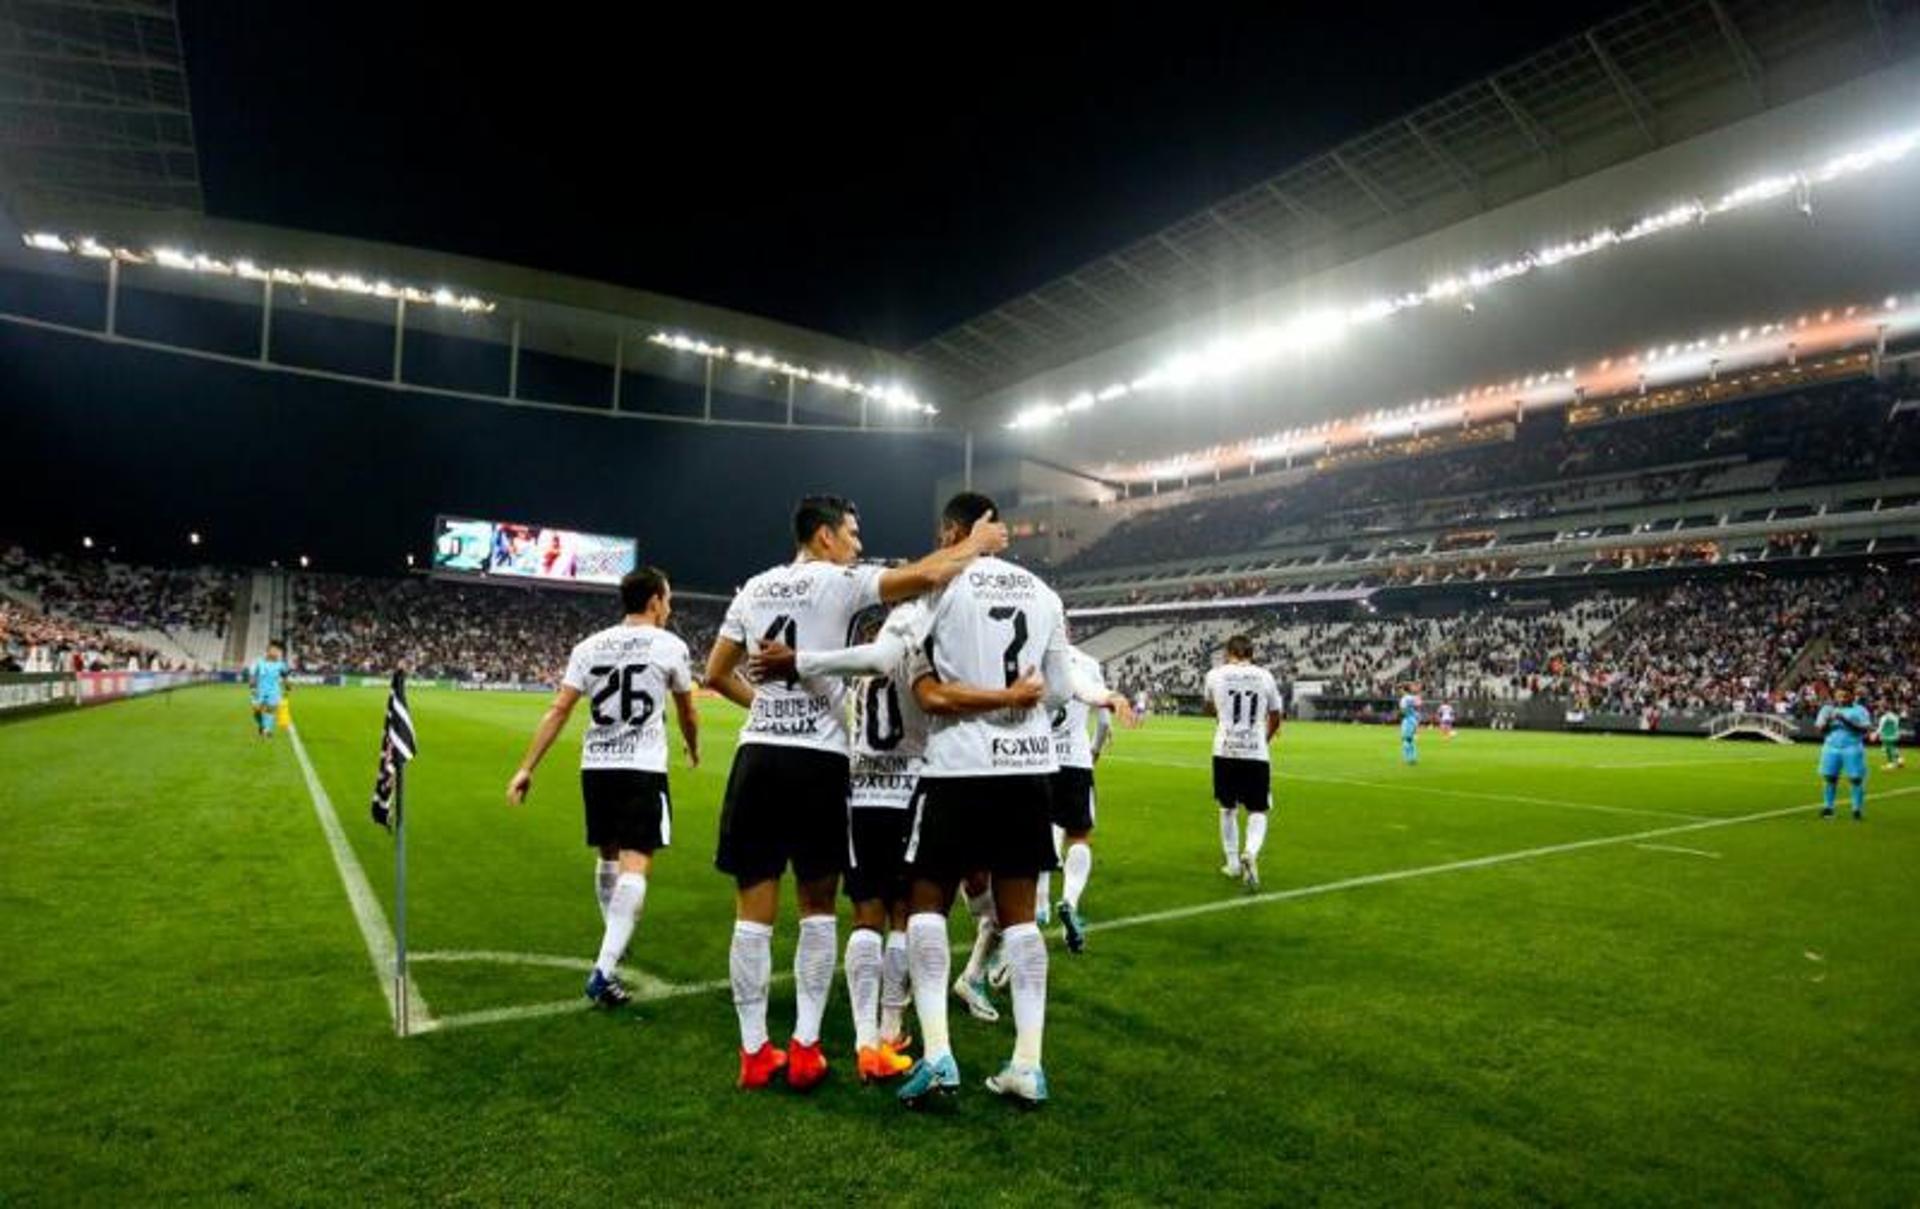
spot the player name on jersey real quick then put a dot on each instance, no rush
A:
(808, 606)
(626, 673)
(1242, 695)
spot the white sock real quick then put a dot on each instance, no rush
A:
(985, 933)
(623, 909)
(1230, 836)
(1027, 954)
(1079, 868)
(750, 964)
(894, 997)
(813, 975)
(605, 873)
(929, 961)
(1256, 832)
(863, 985)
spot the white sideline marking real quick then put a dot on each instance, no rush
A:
(1676, 848)
(1558, 803)
(1478, 862)
(367, 912)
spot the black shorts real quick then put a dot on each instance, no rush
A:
(784, 806)
(627, 809)
(1242, 783)
(998, 825)
(1073, 800)
(877, 837)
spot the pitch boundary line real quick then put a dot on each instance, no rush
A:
(1677, 848)
(660, 990)
(367, 912)
(1591, 807)
(1477, 862)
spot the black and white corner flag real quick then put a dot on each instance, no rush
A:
(396, 748)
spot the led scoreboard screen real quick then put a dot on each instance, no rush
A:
(508, 550)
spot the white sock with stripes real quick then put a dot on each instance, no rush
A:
(813, 960)
(864, 959)
(929, 961)
(1027, 954)
(750, 966)
(894, 996)
(605, 873)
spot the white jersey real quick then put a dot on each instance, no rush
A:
(1242, 695)
(626, 673)
(806, 605)
(1446, 715)
(1071, 747)
(992, 623)
(889, 727)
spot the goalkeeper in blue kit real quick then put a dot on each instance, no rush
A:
(1846, 725)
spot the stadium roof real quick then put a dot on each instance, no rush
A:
(1658, 74)
(93, 105)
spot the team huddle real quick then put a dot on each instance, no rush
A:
(968, 766)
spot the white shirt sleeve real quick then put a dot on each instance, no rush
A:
(680, 673)
(1274, 705)
(734, 625)
(863, 581)
(576, 674)
(875, 658)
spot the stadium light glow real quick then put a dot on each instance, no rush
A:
(86, 543)
(891, 395)
(200, 262)
(193, 539)
(1540, 388)
(1310, 330)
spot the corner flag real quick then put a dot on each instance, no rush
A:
(396, 748)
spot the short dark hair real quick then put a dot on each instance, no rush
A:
(275, 642)
(966, 508)
(1240, 646)
(639, 587)
(816, 511)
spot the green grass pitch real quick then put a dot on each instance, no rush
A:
(1670, 1013)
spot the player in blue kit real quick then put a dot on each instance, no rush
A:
(1409, 721)
(1846, 725)
(267, 676)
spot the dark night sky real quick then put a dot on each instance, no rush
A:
(880, 175)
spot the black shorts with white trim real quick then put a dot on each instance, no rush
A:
(784, 806)
(998, 824)
(627, 809)
(1247, 783)
(1073, 800)
(877, 848)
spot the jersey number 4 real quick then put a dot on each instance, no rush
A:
(622, 685)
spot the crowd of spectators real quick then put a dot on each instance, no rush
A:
(125, 596)
(445, 630)
(33, 641)
(1838, 432)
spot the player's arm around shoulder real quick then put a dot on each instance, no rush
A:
(936, 570)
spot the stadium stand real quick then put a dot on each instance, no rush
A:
(112, 612)
(471, 632)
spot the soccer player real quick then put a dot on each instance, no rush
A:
(786, 796)
(1446, 721)
(1409, 721)
(983, 802)
(1246, 702)
(626, 672)
(889, 743)
(1890, 739)
(1073, 797)
(267, 676)
(1846, 724)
